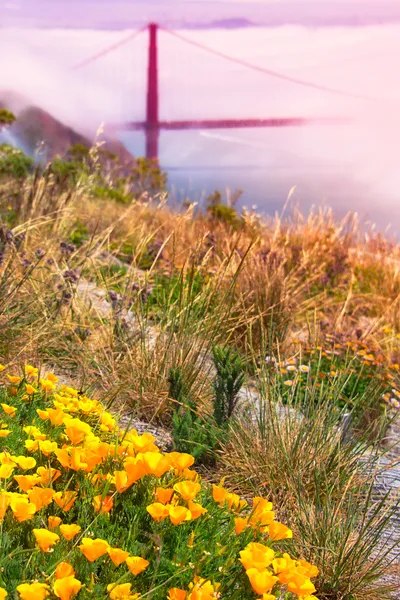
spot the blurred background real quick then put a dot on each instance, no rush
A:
(303, 59)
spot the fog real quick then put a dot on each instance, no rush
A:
(351, 166)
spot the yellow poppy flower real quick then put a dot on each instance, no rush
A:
(47, 385)
(25, 462)
(6, 471)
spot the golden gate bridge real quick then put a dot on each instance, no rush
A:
(152, 125)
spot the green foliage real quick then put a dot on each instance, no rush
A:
(6, 117)
(14, 163)
(227, 384)
(146, 176)
(80, 234)
(219, 211)
(66, 172)
(191, 432)
(109, 193)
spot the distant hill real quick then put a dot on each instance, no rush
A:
(128, 14)
(35, 127)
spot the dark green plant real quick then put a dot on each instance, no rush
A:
(227, 383)
(191, 432)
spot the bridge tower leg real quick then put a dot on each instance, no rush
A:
(152, 121)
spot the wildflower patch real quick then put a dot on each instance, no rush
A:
(89, 510)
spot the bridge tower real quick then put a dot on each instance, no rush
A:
(152, 128)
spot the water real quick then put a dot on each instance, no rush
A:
(350, 167)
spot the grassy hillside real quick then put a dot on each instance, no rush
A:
(268, 349)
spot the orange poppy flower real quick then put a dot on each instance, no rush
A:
(67, 587)
(40, 496)
(136, 564)
(11, 411)
(53, 522)
(4, 503)
(261, 581)
(103, 505)
(48, 475)
(240, 524)
(176, 594)
(93, 549)
(76, 430)
(45, 539)
(178, 514)
(30, 390)
(121, 591)
(65, 500)
(26, 482)
(196, 509)
(187, 489)
(180, 460)
(64, 569)
(70, 531)
(164, 495)
(158, 511)
(135, 469)
(33, 591)
(22, 509)
(117, 556)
